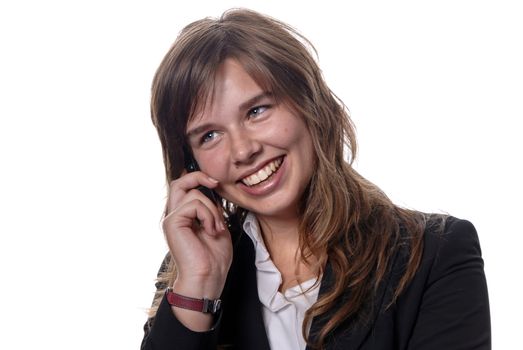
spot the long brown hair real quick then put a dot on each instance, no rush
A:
(345, 219)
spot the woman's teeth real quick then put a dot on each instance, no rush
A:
(263, 174)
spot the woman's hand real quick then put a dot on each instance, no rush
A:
(198, 240)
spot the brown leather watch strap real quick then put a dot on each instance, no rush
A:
(202, 305)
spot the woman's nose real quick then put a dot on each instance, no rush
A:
(244, 147)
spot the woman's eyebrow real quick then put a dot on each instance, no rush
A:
(199, 129)
(253, 100)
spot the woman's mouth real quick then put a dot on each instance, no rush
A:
(263, 174)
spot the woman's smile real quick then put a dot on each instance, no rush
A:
(263, 187)
(263, 174)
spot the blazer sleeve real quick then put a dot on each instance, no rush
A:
(165, 332)
(454, 310)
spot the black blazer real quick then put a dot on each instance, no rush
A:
(444, 307)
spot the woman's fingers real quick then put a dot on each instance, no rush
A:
(183, 191)
(180, 187)
(195, 194)
(194, 215)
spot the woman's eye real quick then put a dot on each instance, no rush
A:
(254, 112)
(208, 136)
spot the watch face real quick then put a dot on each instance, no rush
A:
(213, 306)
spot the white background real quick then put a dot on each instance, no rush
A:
(435, 89)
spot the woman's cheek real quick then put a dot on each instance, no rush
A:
(214, 165)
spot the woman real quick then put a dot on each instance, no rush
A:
(292, 248)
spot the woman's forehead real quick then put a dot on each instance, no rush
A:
(209, 90)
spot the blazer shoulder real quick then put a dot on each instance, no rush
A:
(449, 244)
(449, 235)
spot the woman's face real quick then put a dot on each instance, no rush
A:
(259, 150)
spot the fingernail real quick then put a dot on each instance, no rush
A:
(213, 179)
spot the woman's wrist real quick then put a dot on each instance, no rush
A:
(197, 288)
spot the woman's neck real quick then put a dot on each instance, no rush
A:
(279, 233)
(282, 240)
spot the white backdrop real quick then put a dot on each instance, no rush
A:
(435, 89)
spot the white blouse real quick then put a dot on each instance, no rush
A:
(283, 313)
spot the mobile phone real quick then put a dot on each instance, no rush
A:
(191, 165)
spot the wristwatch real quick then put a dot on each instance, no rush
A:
(208, 306)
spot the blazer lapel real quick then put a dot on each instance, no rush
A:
(248, 331)
(350, 337)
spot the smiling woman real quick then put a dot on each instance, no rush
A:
(297, 250)
(257, 148)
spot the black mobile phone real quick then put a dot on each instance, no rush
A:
(191, 165)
